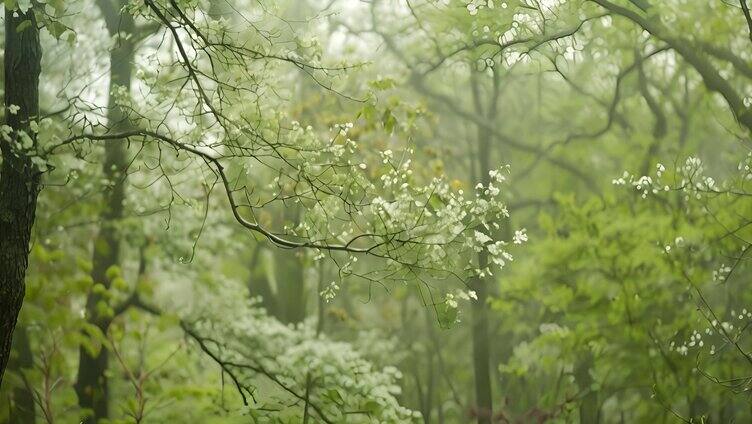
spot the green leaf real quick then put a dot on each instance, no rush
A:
(112, 272)
(382, 84)
(23, 25)
(368, 112)
(56, 29)
(389, 121)
(335, 396)
(447, 315)
(372, 406)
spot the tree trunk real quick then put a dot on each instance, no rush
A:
(589, 405)
(291, 299)
(19, 180)
(23, 409)
(481, 351)
(258, 281)
(91, 385)
(290, 278)
(480, 331)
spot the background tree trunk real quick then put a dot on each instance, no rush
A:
(589, 406)
(481, 350)
(291, 291)
(482, 285)
(22, 410)
(91, 385)
(19, 180)
(258, 281)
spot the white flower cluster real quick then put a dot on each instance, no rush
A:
(721, 273)
(338, 377)
(475, 5)
(695, 339)
(723, 330)
(24, 144)
(480, 241)
(451, 305)
(745, 166)
(330, 291)
(693, 182)
(414, 226)
(645, 183)
(678, 242)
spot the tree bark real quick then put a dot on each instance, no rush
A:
(258, 281)
(22, 410)
(19, 179)
(91, 385)
(481, 350)
(589, 405)
(480, 327)
(291, 299)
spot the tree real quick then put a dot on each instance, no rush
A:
(20, 174)
(415, 229)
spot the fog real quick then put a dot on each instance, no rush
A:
(387, 211)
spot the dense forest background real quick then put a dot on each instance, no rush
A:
(436, 211)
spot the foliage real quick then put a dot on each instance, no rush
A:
(569, 177)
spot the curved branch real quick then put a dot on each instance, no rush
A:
(218, 169)
(689, 51)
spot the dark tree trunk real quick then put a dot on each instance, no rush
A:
(91, 385)
(481, 350)
(291, 299)
(19, 179)
(258, 281)
(291, 295)
(589, 405)
(481, 285)
(22, 409)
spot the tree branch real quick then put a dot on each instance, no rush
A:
(688, 50)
